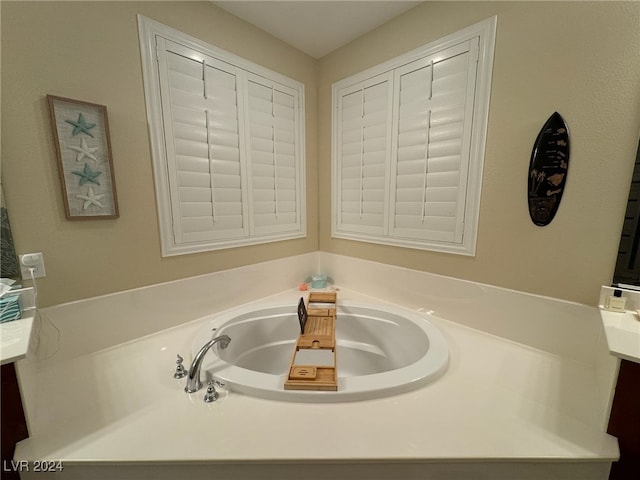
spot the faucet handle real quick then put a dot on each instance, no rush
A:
(211, 395)
(180, 370)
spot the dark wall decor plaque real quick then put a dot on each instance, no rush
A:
(548, 170)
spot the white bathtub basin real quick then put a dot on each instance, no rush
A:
(381, 351)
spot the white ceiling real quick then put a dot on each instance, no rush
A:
(316, 27)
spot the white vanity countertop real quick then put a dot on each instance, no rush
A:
(622, 329)
(623, 334)
(15, 336)
(14, 339)
(498, 400)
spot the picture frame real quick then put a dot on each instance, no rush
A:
(85, 164)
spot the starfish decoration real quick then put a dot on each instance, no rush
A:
(91, 199)
(81, 126)
(88, 175)
(85, 151)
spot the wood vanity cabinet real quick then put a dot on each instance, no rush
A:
(14, 425)
(624, 422)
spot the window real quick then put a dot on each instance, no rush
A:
(408, 145)
(227, 144)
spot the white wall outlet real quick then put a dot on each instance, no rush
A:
(32, 260)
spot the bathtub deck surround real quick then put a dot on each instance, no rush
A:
(528, 407)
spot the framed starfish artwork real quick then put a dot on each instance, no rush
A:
(85, 165)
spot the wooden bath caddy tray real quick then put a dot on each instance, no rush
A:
(313, 363)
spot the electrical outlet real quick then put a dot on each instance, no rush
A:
(35, 261)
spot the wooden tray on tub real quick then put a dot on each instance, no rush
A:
(313, 364)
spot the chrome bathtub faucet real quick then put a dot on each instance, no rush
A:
(193, 377)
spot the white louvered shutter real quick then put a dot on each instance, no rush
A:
(428, 197)
(435, 98)
(227, 141)
(274, 170)
(202, 135)
(363, 148)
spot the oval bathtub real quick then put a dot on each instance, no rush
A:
(381, 351)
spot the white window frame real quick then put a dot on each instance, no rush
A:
(482, 34)
(149, 31)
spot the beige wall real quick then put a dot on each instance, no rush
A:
(581, 59)
(89, 51)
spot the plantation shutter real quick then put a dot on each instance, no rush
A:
(435, 108)
(364, 116)
(202, 135)
(273, 150)
(425, 113)
(227, 141)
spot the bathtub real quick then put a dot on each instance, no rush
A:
(382, 350)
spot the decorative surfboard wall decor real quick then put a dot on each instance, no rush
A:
(548, 170)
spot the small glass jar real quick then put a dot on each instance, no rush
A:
(319, 280)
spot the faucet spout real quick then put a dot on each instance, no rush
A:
(193, 377)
